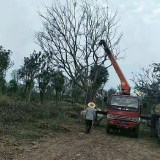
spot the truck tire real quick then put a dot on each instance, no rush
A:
(135, 133)
(108, 129)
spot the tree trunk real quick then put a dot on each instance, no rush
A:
(25, 91)
(90, 95)
(41, 96)
(30, 91)
(56, 98)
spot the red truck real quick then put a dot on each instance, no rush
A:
(124, 109)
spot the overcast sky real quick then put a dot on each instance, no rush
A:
(139, 21)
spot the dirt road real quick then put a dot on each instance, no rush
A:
(75, 145)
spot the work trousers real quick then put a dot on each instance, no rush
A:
(88, 125)
(153, 131)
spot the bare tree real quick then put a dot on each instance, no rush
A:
(70, 36)
(148, 81)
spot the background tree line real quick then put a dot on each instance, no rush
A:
(148, 83)
(38, 79)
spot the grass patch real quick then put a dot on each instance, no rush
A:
(31, 121)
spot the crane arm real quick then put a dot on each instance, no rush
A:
(125, 87)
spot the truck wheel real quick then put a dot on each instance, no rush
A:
(135, 133)
(108, 129)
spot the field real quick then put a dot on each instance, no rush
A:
(64, 139)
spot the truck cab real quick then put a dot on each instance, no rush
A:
(124, 113)
(124, 109)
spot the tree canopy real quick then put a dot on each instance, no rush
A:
(5, 64)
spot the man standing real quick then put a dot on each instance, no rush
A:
(153, 125)
(154, 128)
(90, 116)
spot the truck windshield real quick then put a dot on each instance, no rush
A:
(124, 103)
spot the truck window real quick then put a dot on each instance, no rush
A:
(128, 103)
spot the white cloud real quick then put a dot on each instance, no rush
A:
(139, 9)
(156, 12)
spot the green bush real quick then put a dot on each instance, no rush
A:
(32, 120)
(11, 112)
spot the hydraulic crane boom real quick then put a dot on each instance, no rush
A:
(125, 87)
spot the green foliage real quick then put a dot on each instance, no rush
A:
(13, 86)
(30, 67)
(38, 68)
(31, 121)
(45, 74)
(28, 72)
(98, 76)
(5, 61)
(58, 81)
(11, 111)
(78, 94)
(14, 75)
(110, 92)
(44, 78)
(5, 64)
(2, 85)
(67, 87)
(148, 83)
